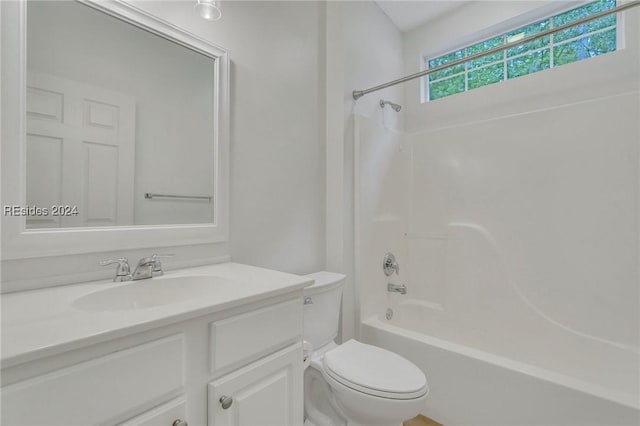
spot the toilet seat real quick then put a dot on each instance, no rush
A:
(374, 371)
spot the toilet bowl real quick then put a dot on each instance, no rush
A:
(353, 383)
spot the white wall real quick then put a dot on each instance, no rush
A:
(277, 143)
(277, 137)
(363, 49)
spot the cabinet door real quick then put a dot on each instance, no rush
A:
(266, 393)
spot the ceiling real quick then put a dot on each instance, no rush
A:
(407, 15)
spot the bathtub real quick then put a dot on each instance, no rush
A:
(477, 378)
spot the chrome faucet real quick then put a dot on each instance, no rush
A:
(395, 288)
(149, 267)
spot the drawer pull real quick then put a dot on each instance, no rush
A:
(180, 422)
(226, 401)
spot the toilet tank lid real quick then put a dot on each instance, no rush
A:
(324, 280)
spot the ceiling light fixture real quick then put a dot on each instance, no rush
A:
(209, 9)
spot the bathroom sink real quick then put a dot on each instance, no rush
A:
(151, 293)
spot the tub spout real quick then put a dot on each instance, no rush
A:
(395, 288)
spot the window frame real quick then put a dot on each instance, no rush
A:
(537, 15)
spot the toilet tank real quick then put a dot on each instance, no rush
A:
(322, 308)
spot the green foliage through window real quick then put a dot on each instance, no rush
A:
(573, 44)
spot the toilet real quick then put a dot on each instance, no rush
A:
(352, 384)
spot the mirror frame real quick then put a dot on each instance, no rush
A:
(18, 242)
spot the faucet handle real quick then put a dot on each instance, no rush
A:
(123, 271)
(162, 256)
(157, 265)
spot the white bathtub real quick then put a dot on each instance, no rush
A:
(576, 382)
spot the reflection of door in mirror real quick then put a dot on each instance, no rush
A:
(80, 153)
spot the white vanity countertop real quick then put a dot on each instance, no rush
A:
(45, 322)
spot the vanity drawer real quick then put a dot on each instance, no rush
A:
(166, 414)
(98, 390)
(238, 340)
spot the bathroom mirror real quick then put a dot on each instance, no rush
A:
(120, 130)
(119, 122)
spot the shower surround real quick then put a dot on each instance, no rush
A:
(517, 239)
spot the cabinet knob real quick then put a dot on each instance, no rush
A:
(226, 401)
(179, 422)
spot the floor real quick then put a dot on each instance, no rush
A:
(421, 420)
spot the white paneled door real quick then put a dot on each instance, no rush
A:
(80, 153)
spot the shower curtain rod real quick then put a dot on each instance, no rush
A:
(357, 94)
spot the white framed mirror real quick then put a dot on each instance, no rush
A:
(114, 130)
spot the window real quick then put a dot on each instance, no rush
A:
(580, 42)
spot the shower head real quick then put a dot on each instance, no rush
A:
(395, 107)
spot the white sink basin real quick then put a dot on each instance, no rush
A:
(151, 293)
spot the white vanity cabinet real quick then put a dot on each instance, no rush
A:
(172, 374)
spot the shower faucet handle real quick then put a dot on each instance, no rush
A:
(390, 265)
